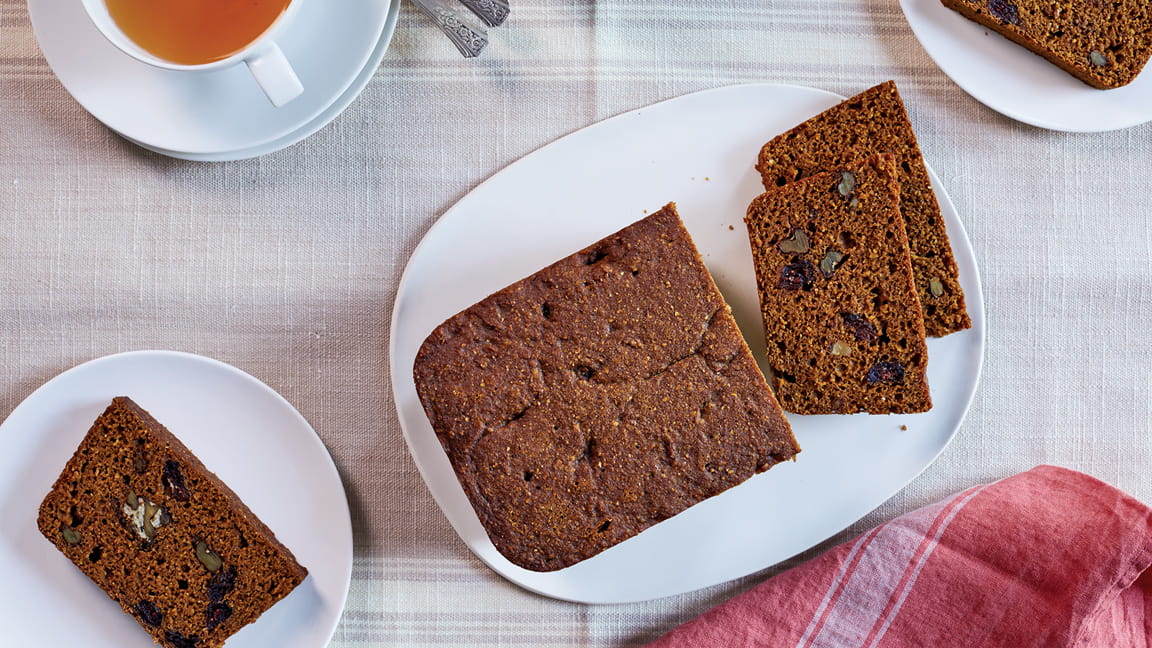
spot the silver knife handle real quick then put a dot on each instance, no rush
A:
(492, 12)
(468, 37)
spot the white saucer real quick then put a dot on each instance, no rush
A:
(334, 45)
(1019, 84)
(318, 122)
(252, 438)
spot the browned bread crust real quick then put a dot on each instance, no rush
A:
(599, 396)
(874, 121)
(841, 317)
(1104, 43)
(162, 535)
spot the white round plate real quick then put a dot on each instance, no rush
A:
(221, 114)
(253, 439)
(697, 150)
(1019, 84)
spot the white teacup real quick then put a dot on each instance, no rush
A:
(263, 56)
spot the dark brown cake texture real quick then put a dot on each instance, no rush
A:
(1103, 43)
(841, 316)
(599, 396)
(162, 535)
(875, 121)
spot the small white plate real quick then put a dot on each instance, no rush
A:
(1019, 84)
(334, 46)
(247, 434)
(697, 150)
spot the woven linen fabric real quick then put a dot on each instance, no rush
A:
(1047, 558)
(287, 265)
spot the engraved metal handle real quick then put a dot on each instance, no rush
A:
(469, 38)
(492, 12)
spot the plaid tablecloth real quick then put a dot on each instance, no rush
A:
(286, 266)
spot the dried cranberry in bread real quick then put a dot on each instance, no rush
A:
(841, 316)
(599, 396)
(874, 121)
(162, 535)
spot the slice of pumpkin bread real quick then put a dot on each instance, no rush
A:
(841, 316)
(875, 121)
(599, 396)
(139, 514)
(1104, 44)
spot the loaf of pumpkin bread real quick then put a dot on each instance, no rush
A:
(593, 399)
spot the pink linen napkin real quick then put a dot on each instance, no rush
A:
(1050, 557)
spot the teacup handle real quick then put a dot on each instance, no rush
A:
(275, 75)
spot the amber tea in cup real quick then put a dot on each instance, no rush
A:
(194, 32)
